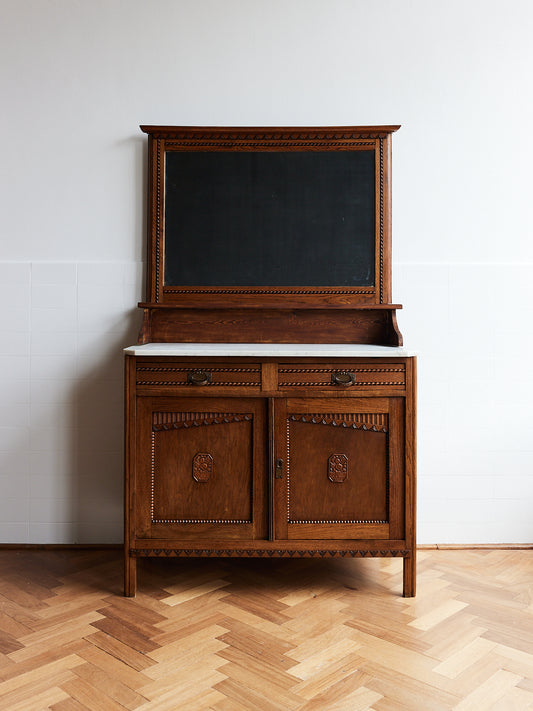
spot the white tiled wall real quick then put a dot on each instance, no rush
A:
(470, 325)
(61, 409)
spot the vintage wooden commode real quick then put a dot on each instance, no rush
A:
(270, 405)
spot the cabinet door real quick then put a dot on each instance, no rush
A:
(340, 468)
(200, 468)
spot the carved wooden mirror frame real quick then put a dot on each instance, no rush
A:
(271, 304)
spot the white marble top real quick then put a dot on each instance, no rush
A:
(272, 350)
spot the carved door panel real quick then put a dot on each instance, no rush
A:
(204, 474)
(342, 468)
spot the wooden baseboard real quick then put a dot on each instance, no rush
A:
(119, 546)
(60, 546)
(475, 546)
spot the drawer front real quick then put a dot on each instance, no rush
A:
(197, 375)
(342, 376)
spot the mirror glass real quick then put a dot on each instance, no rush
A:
(270, 218)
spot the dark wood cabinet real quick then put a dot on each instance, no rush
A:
(270, 405)
(239, 458)
(201, 468)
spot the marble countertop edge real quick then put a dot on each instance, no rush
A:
(271, 350)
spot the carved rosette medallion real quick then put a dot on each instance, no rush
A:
(338, 468)
(202, 467)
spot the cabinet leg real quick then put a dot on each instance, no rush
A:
(409, 575)
(130, 575)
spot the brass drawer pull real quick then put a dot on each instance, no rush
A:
(343, 378)
(199, 377)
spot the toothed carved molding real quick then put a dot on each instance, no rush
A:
(268, 553)
(374, 421)
(162, 421)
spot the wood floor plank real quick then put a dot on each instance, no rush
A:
(121, 651)
(361, 699)
(67, 704)
(458, 662)
(256, 667)
(267, 635)
(350, 667)
(37, 693)
(112, 686)
(117, 668)
(90, 696)
(38, 661)
(490, 692)
(406, 692)
(327, 656)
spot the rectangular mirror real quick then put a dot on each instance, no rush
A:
(269, 218)
(281, 213)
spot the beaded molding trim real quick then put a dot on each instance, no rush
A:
(164, 421)
(175, 383)
(296, 292)
(376, 422)
(339, 522)
(199, 520)
(287, 140)
(276, 141)
(168, 369)
(381, 227)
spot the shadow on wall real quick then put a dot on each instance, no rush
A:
(98, 448)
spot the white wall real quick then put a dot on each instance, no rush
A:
(78, 76)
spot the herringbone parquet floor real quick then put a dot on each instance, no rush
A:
(266, 635)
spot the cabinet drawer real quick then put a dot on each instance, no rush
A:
(196, 375)
(342, 376)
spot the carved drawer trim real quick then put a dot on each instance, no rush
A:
(178, 376)
(389, 375)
